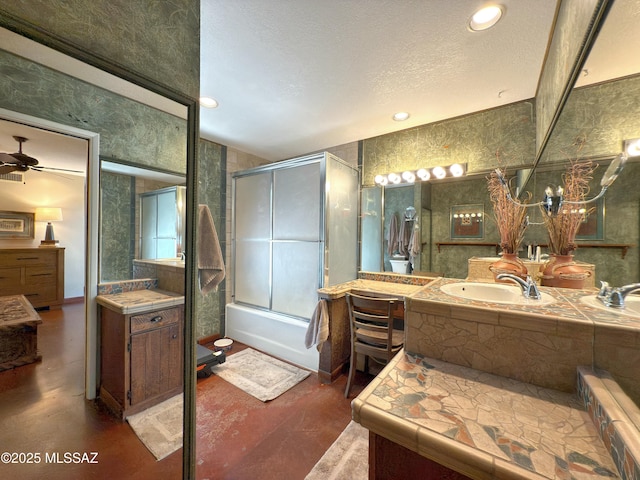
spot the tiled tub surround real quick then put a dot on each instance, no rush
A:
(482, 425)
(538, 344)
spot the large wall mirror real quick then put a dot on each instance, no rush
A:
(601, 109)
(131, 229)
(602, 112)
(141, 137)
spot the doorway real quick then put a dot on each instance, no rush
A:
(79, 232)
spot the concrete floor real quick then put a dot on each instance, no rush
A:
(43, 410)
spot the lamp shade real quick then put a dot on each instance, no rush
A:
(48, 214)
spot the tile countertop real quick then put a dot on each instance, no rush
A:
(371, 286)
(482, 425)
(140, 301)
(567, 306)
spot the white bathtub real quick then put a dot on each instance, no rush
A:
(272, 333)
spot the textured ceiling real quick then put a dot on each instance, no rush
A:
(294, 76)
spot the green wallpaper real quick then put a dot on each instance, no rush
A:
(153, 38)
(129, 130)
(472, 139)
(117, 226)
(596, 120)
(212, 191)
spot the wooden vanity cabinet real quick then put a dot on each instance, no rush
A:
(36, 273)
(141, 358)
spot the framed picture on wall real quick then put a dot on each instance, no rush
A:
(467, 221)
(16, 225)
(592, 227)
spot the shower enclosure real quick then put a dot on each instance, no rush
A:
(294, 230)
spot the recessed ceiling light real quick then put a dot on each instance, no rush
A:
(208, 102)
(401, 116)
(486, 18)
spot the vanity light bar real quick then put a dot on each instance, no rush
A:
(422, 174)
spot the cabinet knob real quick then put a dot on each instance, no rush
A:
(174, 336)
(156, 319)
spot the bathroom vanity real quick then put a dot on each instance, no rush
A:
(141, 349)
(486, 389)
(335, 352)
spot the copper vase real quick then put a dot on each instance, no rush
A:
(508, 263)
(561, 271)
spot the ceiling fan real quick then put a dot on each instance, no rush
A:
(10, 162)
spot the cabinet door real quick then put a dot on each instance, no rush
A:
(156, 362)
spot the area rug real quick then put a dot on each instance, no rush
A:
(347, 458)
(259, 375)
(160, 427)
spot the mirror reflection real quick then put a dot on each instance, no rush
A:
(596, 120)
(134, 237)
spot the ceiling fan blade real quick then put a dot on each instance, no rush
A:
(40, 168)
(7, 168)
(7, 158)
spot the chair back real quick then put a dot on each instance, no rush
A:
(371, 322)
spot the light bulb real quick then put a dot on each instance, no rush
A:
(424, 174)
(439, 172)
(409, 176)
(456, 170)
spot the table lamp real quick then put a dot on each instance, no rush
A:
(48, 214)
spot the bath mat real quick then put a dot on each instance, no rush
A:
(259, 375)
(347, 458)
(160, 427)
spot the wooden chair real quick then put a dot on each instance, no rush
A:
(372, 332)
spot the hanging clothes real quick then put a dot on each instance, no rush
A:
(403, 237)
(415, 245)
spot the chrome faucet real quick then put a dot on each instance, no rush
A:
(614, 297)
(529, 287)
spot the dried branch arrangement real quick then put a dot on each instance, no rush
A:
(563, 226)
(510, 218)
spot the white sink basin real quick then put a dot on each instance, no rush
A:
(631, 305)
(493, 292)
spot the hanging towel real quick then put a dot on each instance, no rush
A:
(318, 329)
(415, 245)
(210, 262)
(392, 235)
(403, 238)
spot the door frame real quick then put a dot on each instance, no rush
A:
(92, 208)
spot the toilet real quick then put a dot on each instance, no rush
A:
(400, 265)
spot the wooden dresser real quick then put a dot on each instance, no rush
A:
(36, 273)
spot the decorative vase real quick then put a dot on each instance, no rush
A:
(561, 271)
(508, 263)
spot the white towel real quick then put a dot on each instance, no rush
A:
(318, 329)
(210, 262)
